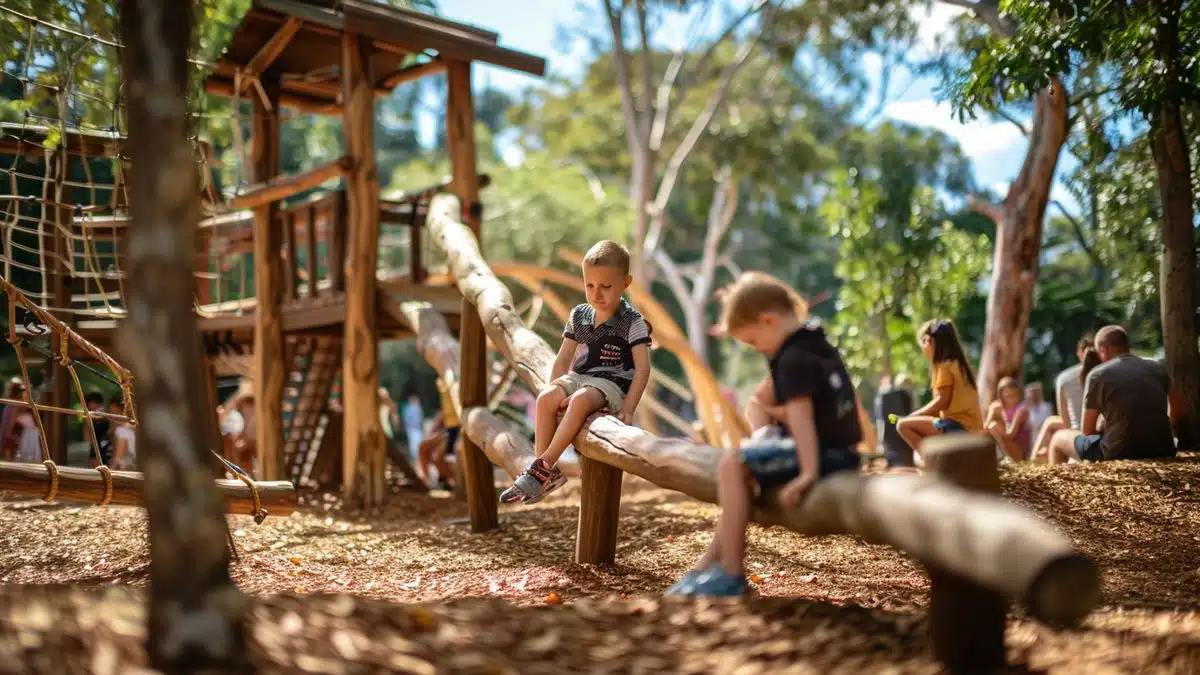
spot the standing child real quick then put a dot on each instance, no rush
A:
(955, 404)
(1008, 420)
(805, 417)
(602, 365)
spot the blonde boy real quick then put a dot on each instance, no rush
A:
(805, 423)
(602, 365)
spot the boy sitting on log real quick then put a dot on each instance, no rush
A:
(602, 365)
(804, 415)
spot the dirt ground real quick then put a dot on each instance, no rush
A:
(411, 589)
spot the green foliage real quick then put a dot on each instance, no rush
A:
(1050, 39)
(900, 258)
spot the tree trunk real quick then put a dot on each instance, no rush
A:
(197, 617)
(1019, 221)
(1178, 272)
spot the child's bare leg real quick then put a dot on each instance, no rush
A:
(1042, 445)
(916, 429)
(546, 417)
(1062, 446)
(729, 540)
(582, 404)
(439, 459)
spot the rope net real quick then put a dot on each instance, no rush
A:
(63, 213)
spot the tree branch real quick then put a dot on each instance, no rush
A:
(1077, 226)
(988, 12)
(647, 68)
(999, 112)
(621, 62)
(662, 105)
(698, 70)
(693, 136)
(982, 206)
(673, 276)
(720, 215)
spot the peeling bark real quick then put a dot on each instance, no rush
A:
(197, 616)
(1019, 224)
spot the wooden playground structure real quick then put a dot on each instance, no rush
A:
(322, 300)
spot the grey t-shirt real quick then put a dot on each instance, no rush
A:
(1068, 383)
(1131, 393)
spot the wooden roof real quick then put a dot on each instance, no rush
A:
(302, 41)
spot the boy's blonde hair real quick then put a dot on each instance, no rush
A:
(608, 253)
(754, 294)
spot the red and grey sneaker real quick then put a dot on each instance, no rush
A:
(533, 485)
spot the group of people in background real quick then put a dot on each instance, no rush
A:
(112, 441)
(1113, 404)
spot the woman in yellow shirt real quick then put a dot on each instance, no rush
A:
(955, 404)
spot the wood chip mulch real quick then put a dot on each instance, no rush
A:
(411, 589)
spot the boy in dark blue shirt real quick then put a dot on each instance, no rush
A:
(807, 416)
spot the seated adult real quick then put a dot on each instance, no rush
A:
(1131, 394)
(1054, 423)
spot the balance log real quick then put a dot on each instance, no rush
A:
(984, 538)
(87, 485)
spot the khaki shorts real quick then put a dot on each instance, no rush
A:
(614, 398)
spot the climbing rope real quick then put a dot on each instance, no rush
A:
(260, 512)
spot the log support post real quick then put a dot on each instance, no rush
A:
(59, 287)
(599, 503)
(966, 620)
(270, 373)
(363, 458)
(460, 136)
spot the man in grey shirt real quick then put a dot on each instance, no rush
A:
(1131, 394)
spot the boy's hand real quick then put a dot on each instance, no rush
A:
(791, 494)
(626, 417)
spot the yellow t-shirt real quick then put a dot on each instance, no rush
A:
(964, 399)
(449, 417)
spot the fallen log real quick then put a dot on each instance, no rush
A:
(88, 485)
(984, 538)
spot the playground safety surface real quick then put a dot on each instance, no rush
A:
(410, 589)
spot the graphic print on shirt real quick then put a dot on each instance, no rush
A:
(606, 350)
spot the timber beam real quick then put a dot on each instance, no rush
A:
(127, 489)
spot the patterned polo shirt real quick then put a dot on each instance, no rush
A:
(607, 350)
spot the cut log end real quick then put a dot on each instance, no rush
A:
(1065, 591)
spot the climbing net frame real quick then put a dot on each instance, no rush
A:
(65, 209)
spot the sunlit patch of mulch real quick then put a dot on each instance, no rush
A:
(1139, 520)
(69, 630)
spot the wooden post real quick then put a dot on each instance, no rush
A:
(966, 620)
(197, 617)
(460, 136)
(599, 503)
(60, 296)
(362, 446)
(270, 372)
(312, 266)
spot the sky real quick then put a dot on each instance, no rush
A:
(995, 148)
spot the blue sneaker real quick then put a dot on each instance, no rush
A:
(717, 583)
(684, 585)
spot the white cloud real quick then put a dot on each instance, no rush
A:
(978, 138)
